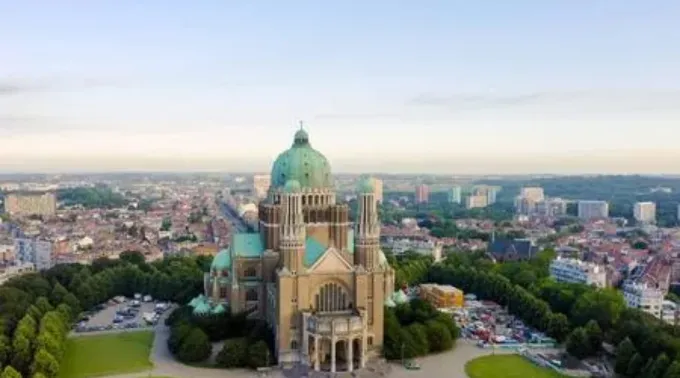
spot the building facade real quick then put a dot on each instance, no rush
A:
(377, 188)
(319, 280)
(37, 252)
(644, 297)
(577, 271)
(645, 212)
(593, 209)
(31, 203)
(473, 202)
(551, 207)
(422, 193)
(261, 185)
(455, 195)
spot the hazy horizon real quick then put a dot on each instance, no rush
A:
(436, 87)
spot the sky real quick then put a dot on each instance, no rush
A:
(451, 87)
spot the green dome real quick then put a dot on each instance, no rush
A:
(303, 164)
(221, 261)
(292, 186)
(365, 185)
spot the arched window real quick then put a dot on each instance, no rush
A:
(331, 297)
(251, 295)
(250, 272)
(293, 345)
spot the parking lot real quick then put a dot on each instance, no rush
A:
(121, 313)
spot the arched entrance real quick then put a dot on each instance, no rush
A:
(356, 353)
(341, 361)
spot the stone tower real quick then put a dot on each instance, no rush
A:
(367, 227)
(292, 229)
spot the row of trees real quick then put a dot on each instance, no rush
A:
(247, 341)
(416, 329)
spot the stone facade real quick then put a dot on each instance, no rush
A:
(320, 280)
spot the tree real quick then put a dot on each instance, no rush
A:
(578, 344)
(10, 372)
(71, 301)
(624, 353)
(673, 371)
(659, 367)
(21, 356)
(233, 353)
(602, 305)
(438, 336)
(43, 304)
(419, 338)
(45, 363)
(133, 257)
(258, 355)
(5, 349)
(595, 336)
(49, 343)
(195, 347)
(65, 312)
(635, 365)
(38, 375)
(558, 326)
(58, 294)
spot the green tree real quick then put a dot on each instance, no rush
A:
(10, 372)
(438, 336)
(49, 343)
(22, 353)
(45, 363)
(43, 304)
(65, 312)
(5, 349)
(595, 337)
(58, 294)
(635, 365)
(624, 353)
(195, 347)
(659, 367)
(419, 338)
(38, 375)
(133, 257)
(673, 370)
(258, 355)
(603, 305)
(578, 344)
(72, 302)
(233, 353)
(558, 326)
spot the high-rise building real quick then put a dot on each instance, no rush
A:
(551, 207)
(532, 193)
(320, 284)
(422, 193)
(37, 252)
(646, 298)
(378, 187)
(31, 203)
(487, 191)
(473, 202)
(593, 209)
(261, 185)
(455, 195)
(645, 212)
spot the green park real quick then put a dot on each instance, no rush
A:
(507, 366)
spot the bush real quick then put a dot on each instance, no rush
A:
(258, 355)
(195, 347)
(233, 353)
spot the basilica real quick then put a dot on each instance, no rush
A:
(318, 278)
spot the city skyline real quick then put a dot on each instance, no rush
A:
(450, 87)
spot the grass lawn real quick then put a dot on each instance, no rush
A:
(89, 356)
(507, 366)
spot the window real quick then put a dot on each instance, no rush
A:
(370, 340)
(331, 297)
(251, 295)
(293, 345)
(250, 272)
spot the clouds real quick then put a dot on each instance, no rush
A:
(591, 101)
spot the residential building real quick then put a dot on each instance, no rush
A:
(422, 193)
(261, 185)
(645, 212)
(518, 249)
(551, 207)
(37, 252)
(442, 296)
(577, 271)
(378, 189)
(455, 195)
(527, 201)
(320, 289)
(593, 209)
(534, 194)
(644, 297)
(473, 202)
(487, 191)
(31, 203)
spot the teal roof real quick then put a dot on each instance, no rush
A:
(194, 302)
(302, 163)
(313, 250)
(292, 186)
(247, 245)
(221, 261)
(219, 309)
(202, 306)
(365, 185)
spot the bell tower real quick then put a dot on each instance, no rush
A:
(367, 227)
(292, 228)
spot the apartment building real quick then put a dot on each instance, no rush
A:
(455, 195)
(31, 203)
(593, 209)
(377, 188)
(261, 185)
(37, 252)
(490, 192)
(473, 202)
(528, 199)
(645, 212)
(532, 193)
(644, 297)
(422, 193)
(551, 207)
(577, 271)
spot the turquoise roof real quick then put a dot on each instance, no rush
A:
(313, 250)
(219, 309)
(302, 163)
(292, 186)
(365, 185)
(247, 245)
(194, 302)
(221, 261)
(203, 307)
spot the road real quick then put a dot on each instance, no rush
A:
(232, 216)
